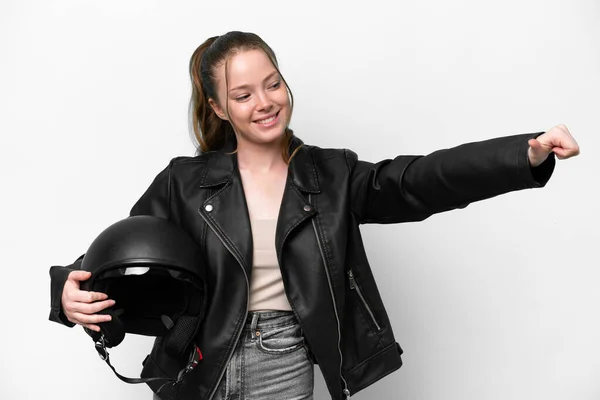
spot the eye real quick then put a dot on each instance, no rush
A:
(275, 85)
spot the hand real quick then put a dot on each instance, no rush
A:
(557, 140)
(81, 306)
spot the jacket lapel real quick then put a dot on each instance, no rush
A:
(227, 210)
(226, 207)
(295, 208)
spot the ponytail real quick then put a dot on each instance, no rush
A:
(210, 131)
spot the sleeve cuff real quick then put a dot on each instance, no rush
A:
(542, 173)
(538, 177)
(58, 277)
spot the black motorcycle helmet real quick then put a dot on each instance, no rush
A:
(155, 273)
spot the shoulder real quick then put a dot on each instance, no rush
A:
(185, 163)
(330, 155)
(182, 167)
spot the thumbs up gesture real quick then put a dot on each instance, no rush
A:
(557, 140)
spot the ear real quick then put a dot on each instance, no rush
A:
(217, 109)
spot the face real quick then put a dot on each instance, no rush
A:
(255, 94)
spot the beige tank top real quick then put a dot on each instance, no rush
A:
(266, 285)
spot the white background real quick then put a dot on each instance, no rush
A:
(496, 301)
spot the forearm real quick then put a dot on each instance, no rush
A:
(471, 172)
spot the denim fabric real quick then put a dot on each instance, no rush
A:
(270, 362)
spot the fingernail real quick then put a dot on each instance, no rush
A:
(112, 302)
(108, 318)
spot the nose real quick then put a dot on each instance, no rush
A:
(264, 102)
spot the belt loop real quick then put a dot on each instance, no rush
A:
(253, 326)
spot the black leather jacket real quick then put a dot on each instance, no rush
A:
(326, 274)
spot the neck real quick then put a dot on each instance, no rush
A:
(260, 157)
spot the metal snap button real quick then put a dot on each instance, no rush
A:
(208, 207)
(307, 208)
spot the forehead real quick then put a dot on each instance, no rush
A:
(247, 67)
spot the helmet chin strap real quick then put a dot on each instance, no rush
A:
(194, 359)
(116, 333)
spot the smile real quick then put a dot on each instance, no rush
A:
(268, 121)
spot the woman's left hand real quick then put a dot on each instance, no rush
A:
(557, 140)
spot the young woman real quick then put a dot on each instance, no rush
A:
(290, 284)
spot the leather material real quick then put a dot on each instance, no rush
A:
(328, 194)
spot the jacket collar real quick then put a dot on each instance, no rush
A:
(222, 165)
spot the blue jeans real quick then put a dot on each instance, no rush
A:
(270, 361)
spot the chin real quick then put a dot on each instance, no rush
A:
(272, 135)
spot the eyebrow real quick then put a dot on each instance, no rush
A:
(247, 86)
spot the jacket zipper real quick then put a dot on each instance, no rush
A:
(296, 315)
(345, 391)
(240, 262)
(354, 286)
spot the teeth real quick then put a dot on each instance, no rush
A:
(266, 121)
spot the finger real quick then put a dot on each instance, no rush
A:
(79, 275)
(81, 319)
(92, 308)
(84, 296)
(93, 327)
(565, 153)
(564, 128)
(559, 151)
(572, 148)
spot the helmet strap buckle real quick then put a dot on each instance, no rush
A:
(195, 358)
(101, 348)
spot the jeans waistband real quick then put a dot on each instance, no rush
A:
(269, 319)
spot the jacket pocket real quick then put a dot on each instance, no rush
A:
(355, 287)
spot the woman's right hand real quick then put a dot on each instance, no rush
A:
(81, 306)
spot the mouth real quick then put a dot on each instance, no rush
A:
(269, 120)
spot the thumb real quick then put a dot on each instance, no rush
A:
(536, 146)
(538, 150)
(80, 275)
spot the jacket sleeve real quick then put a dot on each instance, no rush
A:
(412, 188)
(58, 277)
(155, 201)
